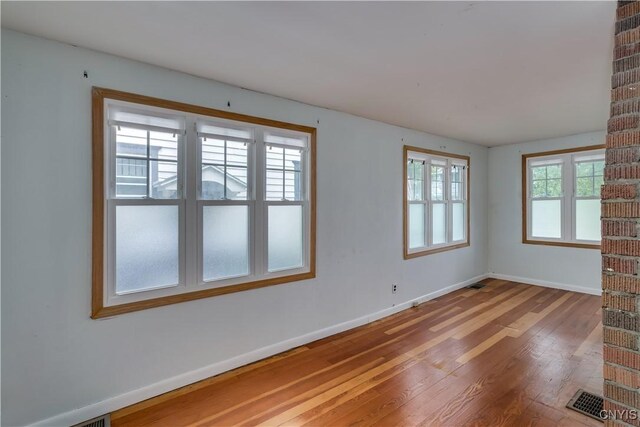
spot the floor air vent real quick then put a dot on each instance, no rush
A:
(586, 403)
(103, 421)
(476, 286)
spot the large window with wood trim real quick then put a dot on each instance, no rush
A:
(191, 202)
(436, 201)
(561, 197)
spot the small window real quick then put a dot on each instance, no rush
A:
(436, 201)
(563, 197)
(196, 203)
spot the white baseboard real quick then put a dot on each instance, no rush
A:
(554, 285)
(114, 403)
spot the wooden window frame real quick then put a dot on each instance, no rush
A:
(409, 254)
(98, 307)
(525, 197)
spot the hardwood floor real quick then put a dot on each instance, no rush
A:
(506, 355)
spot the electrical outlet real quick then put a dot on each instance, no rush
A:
(394, 288)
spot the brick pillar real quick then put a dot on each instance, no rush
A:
(620, 222)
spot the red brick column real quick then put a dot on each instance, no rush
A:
(620, 222)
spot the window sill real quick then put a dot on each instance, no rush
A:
(562, 244)
(100, 311)
(411, 255)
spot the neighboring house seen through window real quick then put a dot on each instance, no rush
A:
(197, 204)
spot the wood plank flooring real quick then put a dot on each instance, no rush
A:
(506, 355)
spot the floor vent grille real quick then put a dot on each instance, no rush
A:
(103, 421)
(476, 286)
(588, 404)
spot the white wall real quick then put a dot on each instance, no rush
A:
(56, 359)
(570, 268)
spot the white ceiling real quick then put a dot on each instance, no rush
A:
(485, 72)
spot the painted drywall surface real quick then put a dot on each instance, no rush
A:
(56, 359)
(579, 268)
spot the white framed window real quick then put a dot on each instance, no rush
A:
(197, 203)
(436, 188)
(562, 197)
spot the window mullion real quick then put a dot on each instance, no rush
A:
(148, 165)
(529, 197)
(449, 207)
(284, 174)
(258, 239)
(224, 171)
(109, 258)
(192, 221)
(568, 227)
(425, 202)
(429, 199)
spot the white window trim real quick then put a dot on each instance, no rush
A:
(437, 159)
(568, 160)
(190, 208)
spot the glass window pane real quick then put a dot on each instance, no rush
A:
(554, 171)
(131, 142)
(456, 191)
(415, 180)
(589, 178)
(458, 223)
(293, 185)
(220, 183)
(418, 190)
(134, 172)
(147, 247)
(212, 151)
(285, 237)
(410, 179)
(236, 183)
(416, 225)
(163, 145)
(237, 153)
(456, 182)
(588, 220)
(599, 182)
(455, 173)
(539, 188)
(439, 226)
(419, 168)
(284, 174)
(546, 220)
(598, 167)
(546, 181)
(437, 182)
(293, 159)
(584, 169)
(539, 172)
(584, 186)
(131, 178)
(437, 192)
(225, 242)
(411, 190)
(224, 170)
(275, 185)
(164, 179)
(554, 188)
(212, 182)
(275, 157)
